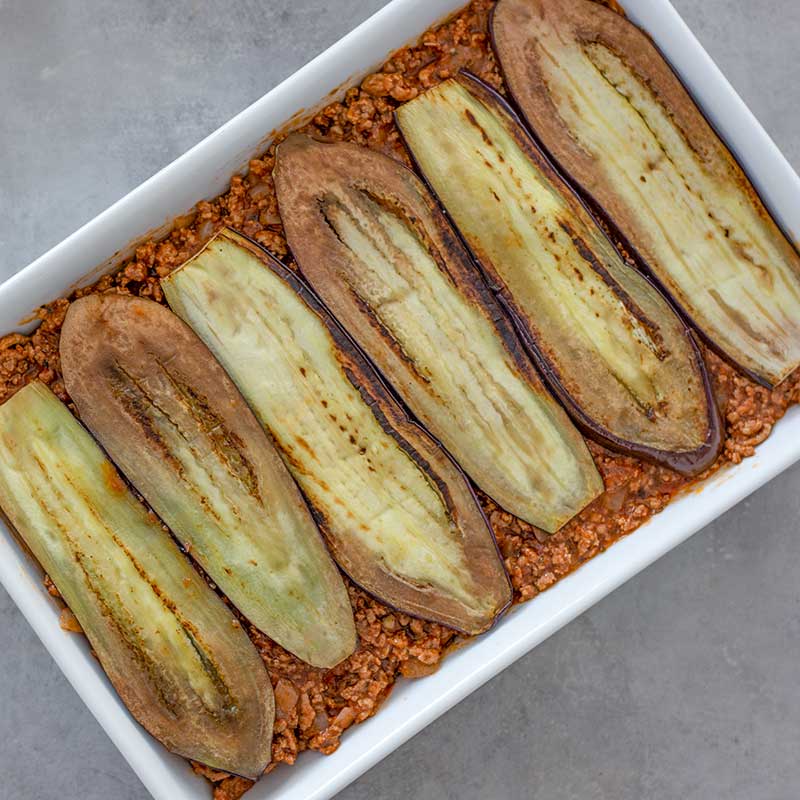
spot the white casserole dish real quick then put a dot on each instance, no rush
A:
(204, 172)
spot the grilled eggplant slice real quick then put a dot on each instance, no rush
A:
(606, 105)
(399, 517)
(175, 654)
(609, 345)
(374, 246)
(173, 421)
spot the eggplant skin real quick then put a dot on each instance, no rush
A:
(176, 655)
(399, 517)
(608, 344)
(170, 417)
(375, 247)
(607, 107)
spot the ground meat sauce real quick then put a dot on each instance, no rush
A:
(314, 707)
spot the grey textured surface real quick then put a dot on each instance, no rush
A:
(682, 684)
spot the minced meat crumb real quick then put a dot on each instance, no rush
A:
(313, 706)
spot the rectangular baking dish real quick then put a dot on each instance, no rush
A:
(203, 172)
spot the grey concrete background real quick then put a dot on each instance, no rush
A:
(682, 684)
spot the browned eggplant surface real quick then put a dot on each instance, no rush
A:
(399, 517)
(606, 105)
(609, 344)
(170, 417)
(174, 652)
(374, 246)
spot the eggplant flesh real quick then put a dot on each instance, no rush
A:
(399, 517)
(608, 343)
(175, 654)
(605, 104)
(176, 425)
(372, 243)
